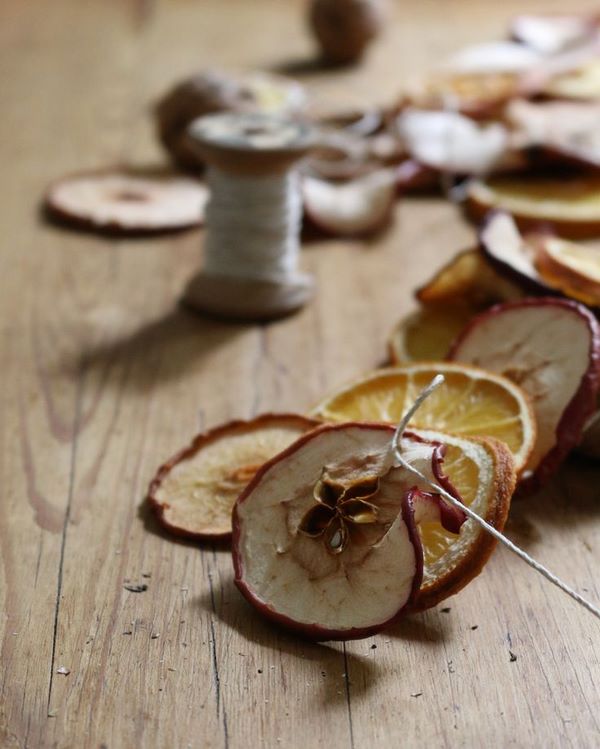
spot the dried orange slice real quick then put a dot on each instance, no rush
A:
(482, 472)
(471, 402)
(468, 279)
(570, 206)
(426, 334)
(193, 492)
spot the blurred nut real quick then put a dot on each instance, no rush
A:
(344, 28)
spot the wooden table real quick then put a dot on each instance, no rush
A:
(103, 376)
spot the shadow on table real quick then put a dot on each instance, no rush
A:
(299, 67)
(569, 500)
(160, 350)
(421, 628)
(237, 614)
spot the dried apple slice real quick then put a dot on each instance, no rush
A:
(426, 333)
(122, 203)
(339, 156)
(362, 206)
(572, 268)
(552, 33)
(551, 348)
(324, 537)
(569, 206)
(467, 279)
(344, 155)
(476, 81)
(582, 84)
(450, 142)
(509, 253)
(541, 263)
(193, 492)
(481, 471)
(559, 131)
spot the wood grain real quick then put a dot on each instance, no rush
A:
(103, 376)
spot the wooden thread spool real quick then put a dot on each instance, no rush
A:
(253, 218)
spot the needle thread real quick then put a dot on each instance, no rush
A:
(396, 450)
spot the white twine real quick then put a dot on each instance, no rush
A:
(396, 450)
(253, 226)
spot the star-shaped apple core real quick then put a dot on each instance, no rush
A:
(338, 507)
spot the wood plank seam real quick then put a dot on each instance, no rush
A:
(76, 426)
(215, 663)
(348, 699)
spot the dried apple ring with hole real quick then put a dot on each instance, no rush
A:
(124, 203)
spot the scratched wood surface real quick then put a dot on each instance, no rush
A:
(103, 376)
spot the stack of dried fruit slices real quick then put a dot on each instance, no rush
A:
(331, 536)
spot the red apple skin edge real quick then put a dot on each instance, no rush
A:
(451, 518)
(569, 430)
(197, 443)
(314, 631)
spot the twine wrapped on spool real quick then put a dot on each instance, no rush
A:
(253, 218)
